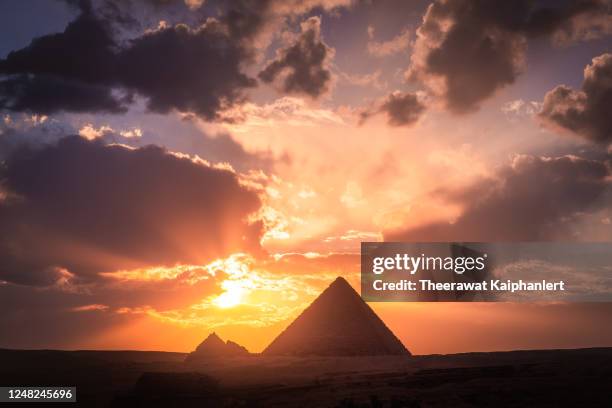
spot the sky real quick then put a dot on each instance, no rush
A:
(170, 168)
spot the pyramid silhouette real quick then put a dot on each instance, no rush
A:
(337, 323)
(213, 346)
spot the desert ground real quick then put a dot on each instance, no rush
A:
(548, 378)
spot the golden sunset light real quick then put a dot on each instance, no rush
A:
(321, 179)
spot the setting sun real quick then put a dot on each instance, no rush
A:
(232, 295)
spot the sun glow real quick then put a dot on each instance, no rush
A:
(238, 283)
(241, 291)
(232, 295)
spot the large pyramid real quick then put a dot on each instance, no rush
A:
(337, 323)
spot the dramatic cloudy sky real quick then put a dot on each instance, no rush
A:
(172, 167)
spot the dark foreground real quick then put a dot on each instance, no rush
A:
(552, 378)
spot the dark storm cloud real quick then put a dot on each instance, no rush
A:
(65, 71)
(83, 52)
(585, 112)
(572, 21)
(402, 109)
(175, 67)
(532, 199)
(302, 66)
(49, 94)
(76, 208)
(467, 49)
(103, 59)
(196, 70)
(245, 18)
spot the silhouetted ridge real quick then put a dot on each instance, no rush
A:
(337, 323)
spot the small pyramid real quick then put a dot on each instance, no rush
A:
(235, 348)
(213, 346)
(337, 323)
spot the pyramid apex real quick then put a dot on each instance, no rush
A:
(212, 341)
(340, 281)
(341, 285)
